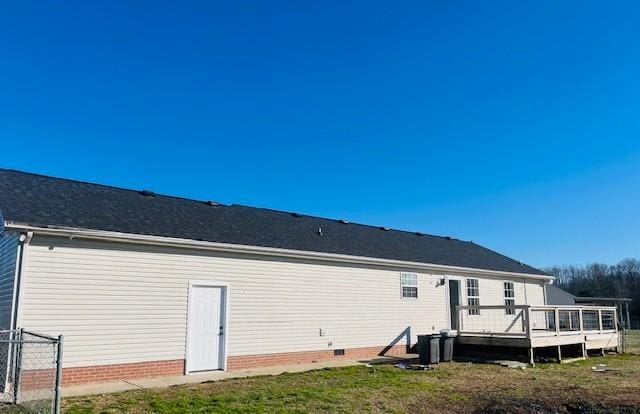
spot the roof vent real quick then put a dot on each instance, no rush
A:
(320, 232)
(385, 228)
(296, 215)
(211, 203)
(147, 193)
(448, 237)
(343, 221)
(419, 233)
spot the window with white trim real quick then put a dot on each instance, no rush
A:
(509, 298)
(473, 295)
(409, 285)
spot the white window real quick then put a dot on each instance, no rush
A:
(509, 298)
(473, 295)
(409, 285)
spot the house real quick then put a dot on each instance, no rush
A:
(556, 296)
(143, 284)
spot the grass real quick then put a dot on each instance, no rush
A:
(453, 387)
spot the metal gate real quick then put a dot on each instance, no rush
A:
(30, 370)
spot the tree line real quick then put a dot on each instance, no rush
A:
(621, 280)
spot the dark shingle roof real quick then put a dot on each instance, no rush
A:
(45, 201)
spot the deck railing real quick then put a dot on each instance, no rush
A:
(536, 321)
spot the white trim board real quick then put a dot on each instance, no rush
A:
(264, 251)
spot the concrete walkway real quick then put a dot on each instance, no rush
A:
(142, 383)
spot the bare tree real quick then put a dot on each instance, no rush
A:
(597, 279)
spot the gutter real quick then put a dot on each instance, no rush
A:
(73, 233)
(24, 239)
(600, 299)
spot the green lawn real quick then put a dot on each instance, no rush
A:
(454, 387)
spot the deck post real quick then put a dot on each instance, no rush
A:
(581, 321)
(556, 315)
(559, 354)
(531, 356)
(529, 333)
(620, 315)
(600, 320)
(583, 345)
(600, 326)
(628, 322)
(615, 327)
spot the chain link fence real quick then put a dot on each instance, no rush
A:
(30, 371)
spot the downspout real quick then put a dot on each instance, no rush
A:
(25, 240)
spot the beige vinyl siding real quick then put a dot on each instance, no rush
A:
(8, 260)
(527, 292)
(535, 292)
(119, 303)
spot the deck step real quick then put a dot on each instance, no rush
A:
(570, 360)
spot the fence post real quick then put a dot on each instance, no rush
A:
(14, 363)
(17, 368)
(58, 389)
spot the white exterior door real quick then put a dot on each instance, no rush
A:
(206, 328)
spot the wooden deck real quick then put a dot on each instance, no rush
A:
(531, 327)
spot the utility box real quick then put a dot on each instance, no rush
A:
(429, 349)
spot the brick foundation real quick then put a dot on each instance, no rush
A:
(105, 373)
(37, 379)
(291, 358)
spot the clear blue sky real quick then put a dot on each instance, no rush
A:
(510, 124)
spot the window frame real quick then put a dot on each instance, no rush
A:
(473, 300)
(510, 309)
(404, 284)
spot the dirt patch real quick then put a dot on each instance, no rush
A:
(547, 407)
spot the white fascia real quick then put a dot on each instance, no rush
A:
(258, 250)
